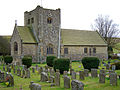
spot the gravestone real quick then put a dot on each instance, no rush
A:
(113, 79)
(33, 69)
(113, 67)
(52, 72)
(66, 81)
(46, 69)
(52, 79)
(71, 71)
(86, 72)
(73, 75)
(11, 80)
(3, 68)
(81, 75)
(102, 71)
(65, 73)
(94, 73)
(2, 76)
(57, 78)
(102, 77)
(44, 77)
(23, 73)
(34, 86)
(27, 73)
(107, 66)
(37, 67)
(9, 69)
(77, 85)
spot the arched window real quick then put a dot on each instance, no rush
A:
(50, 49)
(15, 46)
(49, 20)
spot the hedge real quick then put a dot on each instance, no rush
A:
(90, 62)
(62, 64)
(8, 59)
(27, 60)
(50, 60)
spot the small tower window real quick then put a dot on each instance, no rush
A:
(32, 20)
(28, 21)
(49, 20)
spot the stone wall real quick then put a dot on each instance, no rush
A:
(77, 52)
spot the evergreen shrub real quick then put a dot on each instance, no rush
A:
(8, 59)
(27, 60)
(90, 62)
(62, 64)
(50, 60)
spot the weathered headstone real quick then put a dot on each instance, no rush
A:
(3, 68)
(113, 67)
(52, 72)
(57, 79)
(102, 71)
(27, 73)
(71, 71)
(81, 75)
(34, 86)
(37, 67)
(73, 75)
(11, 80)
(33, 69)
(113, 79)
(77, 85)
(66, 81)
(65, 73)
(23, 73)
(107, 66)
(44, 77)
(86, 72)
(94, 73)
(102, 77)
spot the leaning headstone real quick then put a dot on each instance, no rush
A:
(52, 79)
(86, 72)
(113, 67)
(11, 80)
(102, 77)
(73, 75)
(94, 73)
(66, 82)
(44, 77)
(46, 69)
(77, 85)
(113, 79)
(81, 75)
(57, 79)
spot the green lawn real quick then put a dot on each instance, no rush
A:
(90, 83)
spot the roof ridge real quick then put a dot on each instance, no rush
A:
(79, 30)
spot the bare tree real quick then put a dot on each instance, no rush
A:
(106, 28)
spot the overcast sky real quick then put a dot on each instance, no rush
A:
(75, 14)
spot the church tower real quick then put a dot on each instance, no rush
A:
(45, 24)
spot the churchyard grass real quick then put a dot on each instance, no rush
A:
(89, 82)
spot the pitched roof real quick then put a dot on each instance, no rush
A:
(81, 37)
(26, 34)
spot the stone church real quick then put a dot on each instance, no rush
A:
(42, 36)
